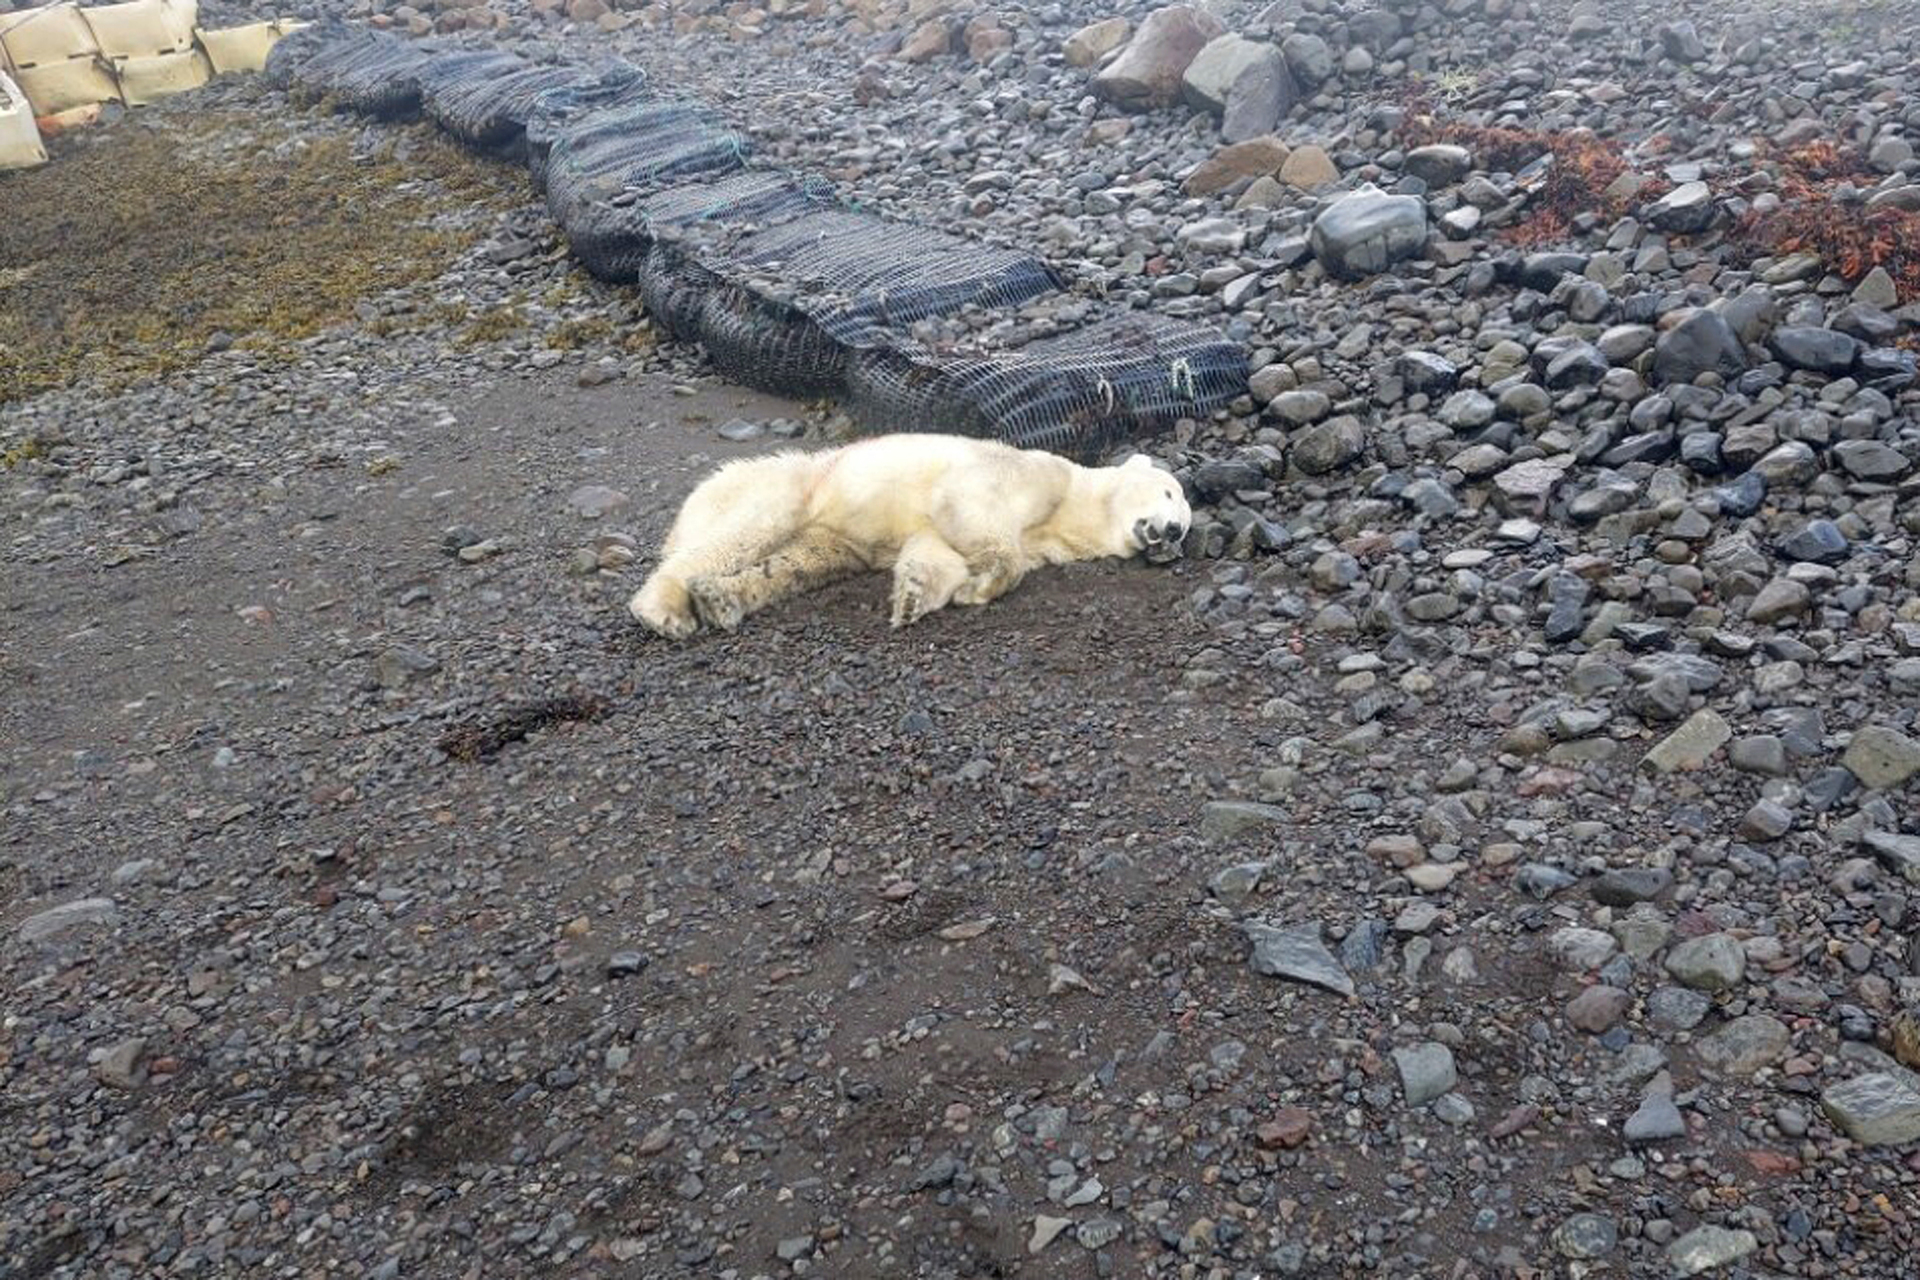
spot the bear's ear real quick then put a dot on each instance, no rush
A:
(1138, 460)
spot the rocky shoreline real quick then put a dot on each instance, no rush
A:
(1493, 850)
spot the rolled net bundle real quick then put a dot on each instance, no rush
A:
(637, 146)
(293, 50)
(802, 296)
(673, 288)
(754, 198)
(367, 72)
(761, 342)
(613, 238)
(1080, 395)
(600, 88)
(486, 105)
(326, 48)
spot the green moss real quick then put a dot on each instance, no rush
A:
(493, 325)
(124, 256)
(24, 451)
(572, 335)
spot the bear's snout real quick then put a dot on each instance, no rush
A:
(1148, 534)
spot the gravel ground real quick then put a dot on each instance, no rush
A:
(1492, 851)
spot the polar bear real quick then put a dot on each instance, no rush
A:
(957, 520)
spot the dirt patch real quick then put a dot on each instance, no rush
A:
(143, 241)
(485, 739)
(447, 1127)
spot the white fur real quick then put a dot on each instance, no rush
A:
(957, 520)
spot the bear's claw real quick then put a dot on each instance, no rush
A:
(909, 601)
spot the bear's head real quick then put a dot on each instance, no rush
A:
(1147, 506)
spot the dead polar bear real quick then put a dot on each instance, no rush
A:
(958, 520)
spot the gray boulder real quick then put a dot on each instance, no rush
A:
(1685, 210)
(1704, 342)
(1368, 231)
(1263, 94)
(1096, 40)
(1147, 73)
(1439, 165)
(1329, 446)
(1682, 42)
(1814, 349)
(1309, 58)
(1210, 77)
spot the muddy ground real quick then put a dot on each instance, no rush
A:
(815, 949)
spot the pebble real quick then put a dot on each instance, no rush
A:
(1708, 1248)
(1296, 952)
(1874, 1109)
(1579, 950)
(1598, 1009)
(1692, 744)
(1426, 1072)
(44, 926)
(1713, 962)
(1677, 1008)
(593, 501)
(1882, 758)
(1226, 820)
(1745, 1045)
(1656, 1120)
(123, 1066)
(1586, 1236)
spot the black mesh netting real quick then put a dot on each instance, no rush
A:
(613, 238)
(612, 84)
(672, 288)
(487, 105)
(801, 296)
(1081, 394)
(636, 146)
(789, 290)
(769, 346)
(291, 51)
(371, 73)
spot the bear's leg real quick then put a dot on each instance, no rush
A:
(925, 576)
(971, 523)
(993, 569)
(731, 520)
(813, 558)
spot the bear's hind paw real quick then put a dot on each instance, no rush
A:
(718, 608)
(911, 602)
(657, 617)
(907, 602)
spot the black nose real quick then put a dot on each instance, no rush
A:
(1174, 531)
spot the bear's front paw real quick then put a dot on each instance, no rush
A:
(717, 607)
(983, 585)
(975, 590)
